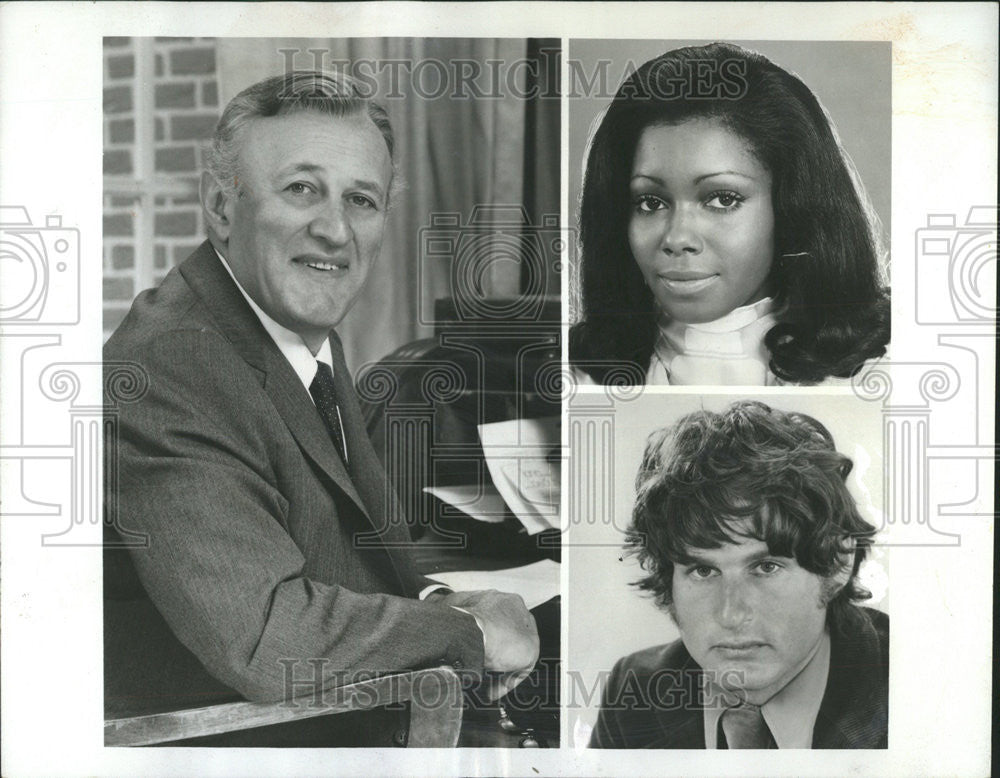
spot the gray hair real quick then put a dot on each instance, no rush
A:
(333, 94)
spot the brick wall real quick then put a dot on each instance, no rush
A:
(183, 108)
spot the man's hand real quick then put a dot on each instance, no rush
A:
(510, 637)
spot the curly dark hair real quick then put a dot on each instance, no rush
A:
(750, 471)
(833, 307)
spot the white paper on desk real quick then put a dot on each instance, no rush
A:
(517, 455)
(481, 502)
(536, 583)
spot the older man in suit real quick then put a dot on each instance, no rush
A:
(752, 542)
(270, 559)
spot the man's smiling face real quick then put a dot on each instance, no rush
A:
(306, 224)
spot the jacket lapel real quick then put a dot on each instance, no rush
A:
(368, 475)
(853, 713)
(682, 725)
(237, 321)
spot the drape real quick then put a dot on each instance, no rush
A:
(453, 152)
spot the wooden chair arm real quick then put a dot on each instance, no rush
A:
(435, 697)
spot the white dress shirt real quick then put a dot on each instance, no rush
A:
(303, 362)
(289, 343)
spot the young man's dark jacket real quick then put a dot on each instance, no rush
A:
(652, 697)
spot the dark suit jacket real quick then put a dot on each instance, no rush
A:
(651, 699)
(256, 555)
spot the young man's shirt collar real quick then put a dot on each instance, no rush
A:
(791, 713)
(289, 343)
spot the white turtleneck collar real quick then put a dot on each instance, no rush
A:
(729, 351)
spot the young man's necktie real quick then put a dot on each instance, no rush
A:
(744, 727)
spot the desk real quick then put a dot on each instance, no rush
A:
(423, 406)
(534, 704)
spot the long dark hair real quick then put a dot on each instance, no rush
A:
(834, 308)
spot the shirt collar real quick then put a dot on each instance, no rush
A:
(736, 319)
(727, 351)
(290, 344)
(791, 713)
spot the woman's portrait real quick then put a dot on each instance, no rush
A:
(726, 236)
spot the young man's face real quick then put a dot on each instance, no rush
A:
(752, 618)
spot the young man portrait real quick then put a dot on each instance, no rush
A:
(750, 540)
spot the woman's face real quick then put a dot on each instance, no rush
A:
(701, 227)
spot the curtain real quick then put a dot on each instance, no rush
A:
(453, 153)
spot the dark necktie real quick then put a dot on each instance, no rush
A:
(744, 727)
(325, 396)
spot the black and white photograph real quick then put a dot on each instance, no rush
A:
(726, 233)
(257, 550)
(749, 586)
(497, 389)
